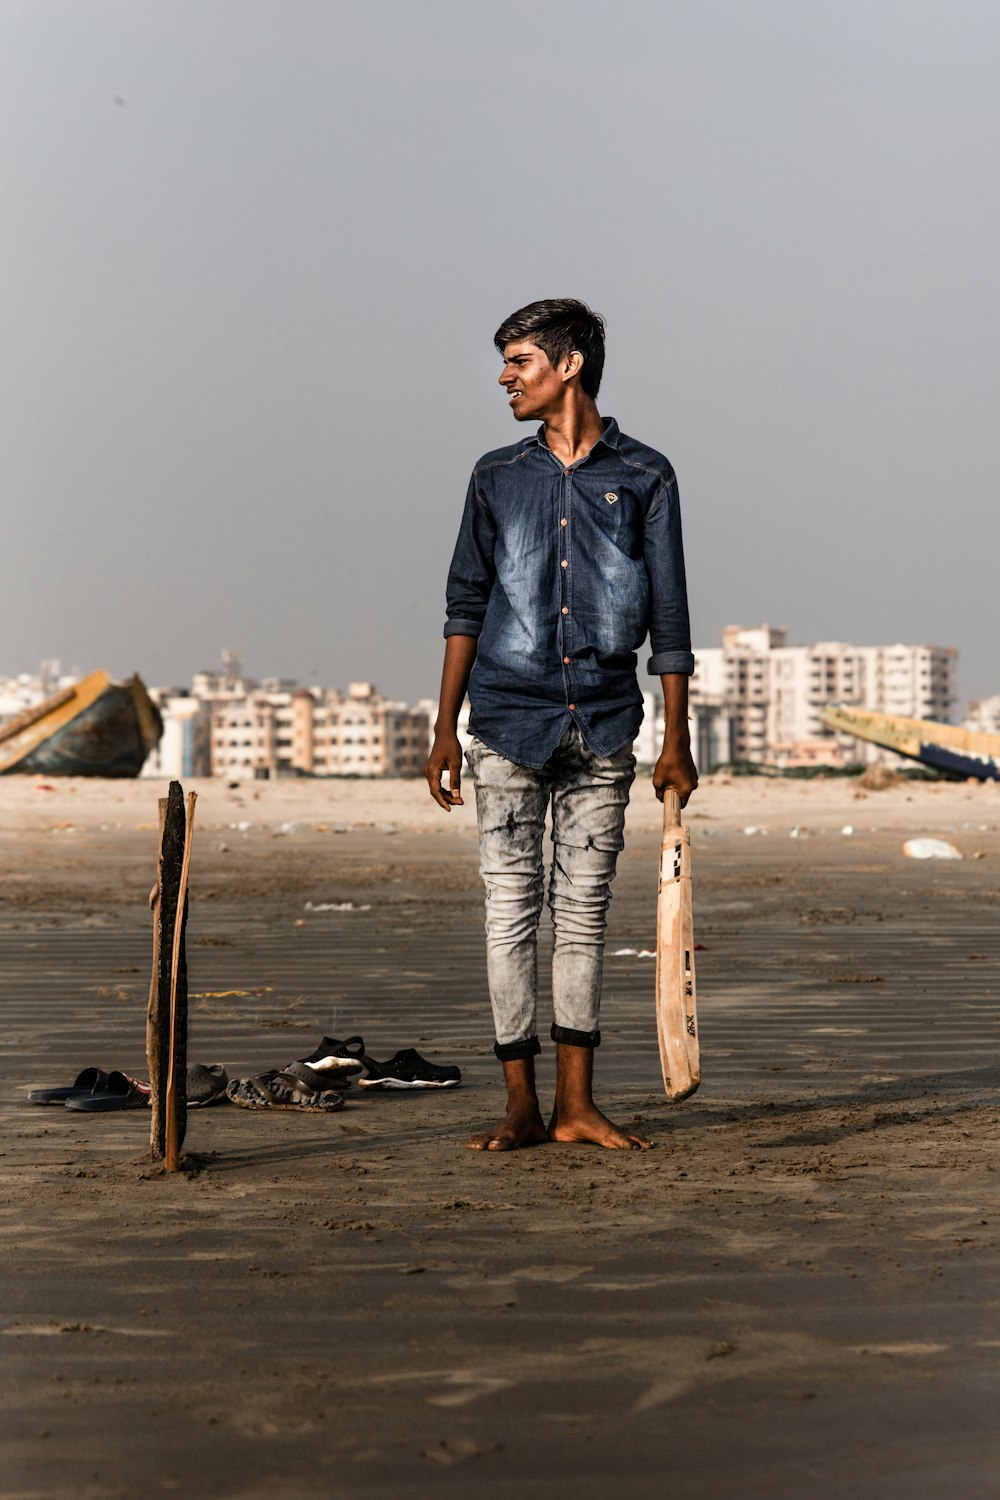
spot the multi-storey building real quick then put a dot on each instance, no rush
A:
(984, 715)
(184, 749)
(236, 727)
(284, 728)
(27, 689)
(776, 693)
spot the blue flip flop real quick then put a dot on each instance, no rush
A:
(89, 1082)
(120, 1092)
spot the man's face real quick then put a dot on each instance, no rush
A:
(533, 386)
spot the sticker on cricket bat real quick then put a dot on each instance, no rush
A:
(676, 991)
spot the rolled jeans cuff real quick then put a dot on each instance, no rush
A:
(528, 1046)
(571, 1038)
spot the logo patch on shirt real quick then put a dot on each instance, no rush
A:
(610, 497)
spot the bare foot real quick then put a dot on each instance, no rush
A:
(586, 1124)
(520, 1126)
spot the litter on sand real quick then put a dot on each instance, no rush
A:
(259, 992)
(335, 906)
(930, 849)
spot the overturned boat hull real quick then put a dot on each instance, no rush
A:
(943, 747)
(95, 728)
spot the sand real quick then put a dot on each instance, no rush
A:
(794, 1294)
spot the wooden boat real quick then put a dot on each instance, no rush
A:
(944, 747)
(95, 728)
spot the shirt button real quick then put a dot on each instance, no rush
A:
(565, 610)
(566, 661)
(565, 472)
(572, 708)
(564, 563)
(564, 522)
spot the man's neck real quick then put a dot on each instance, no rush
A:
(573, 430)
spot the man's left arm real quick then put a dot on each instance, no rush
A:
(670, 638)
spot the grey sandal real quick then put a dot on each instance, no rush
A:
(205, 1084)
(279, 1090)
(319, 1082)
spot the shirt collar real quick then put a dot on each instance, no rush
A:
(610, 436)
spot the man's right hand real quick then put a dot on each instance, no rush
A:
(446, 755)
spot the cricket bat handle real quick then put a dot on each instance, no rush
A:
(671, 809)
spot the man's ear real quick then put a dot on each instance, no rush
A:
(572, 365)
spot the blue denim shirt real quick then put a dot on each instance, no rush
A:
(561, 574)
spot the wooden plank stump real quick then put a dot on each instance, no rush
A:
(166, 1015)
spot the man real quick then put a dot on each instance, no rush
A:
(569, 554)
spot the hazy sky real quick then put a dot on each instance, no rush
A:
(254, 251)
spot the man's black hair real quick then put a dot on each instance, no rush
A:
(558, 325)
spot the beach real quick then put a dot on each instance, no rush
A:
(795, 1293)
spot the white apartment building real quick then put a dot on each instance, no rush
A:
(284, 728)
(184, 749)
(984, 715)
(241, 729)
(28, 689)
(711, 732)
(776, 693)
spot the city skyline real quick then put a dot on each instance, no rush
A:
(55, 666)
(754, 697)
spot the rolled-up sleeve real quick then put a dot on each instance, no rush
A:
(669, 625)
(472, 571)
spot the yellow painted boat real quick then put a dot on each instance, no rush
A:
(944, 747)
(98, 727)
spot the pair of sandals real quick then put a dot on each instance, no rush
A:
(405, 1070)
(96, 1092)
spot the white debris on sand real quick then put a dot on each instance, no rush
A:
(930, 849)
(335, 906)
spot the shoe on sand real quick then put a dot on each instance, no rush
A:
(408, 1070)
(205, 1083)
(120, 1092)
(330, 1078)
(87, 1082)
(334, 1056)
(277, 1090)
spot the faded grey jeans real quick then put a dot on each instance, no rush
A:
(588, 795)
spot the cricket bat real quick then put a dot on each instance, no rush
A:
(676, 1011)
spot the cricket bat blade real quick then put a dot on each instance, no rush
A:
(676, 995)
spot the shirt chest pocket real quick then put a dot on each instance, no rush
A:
(616, 517)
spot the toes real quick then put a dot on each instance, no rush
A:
(489, 1143)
